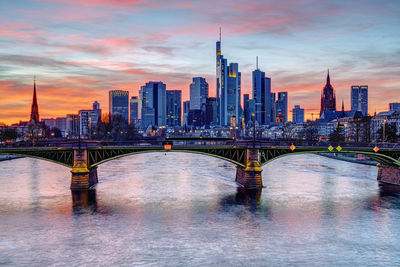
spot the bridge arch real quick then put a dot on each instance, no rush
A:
(236, 156)
(267, 155)
(64, 157)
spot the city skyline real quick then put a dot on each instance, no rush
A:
(77, 60)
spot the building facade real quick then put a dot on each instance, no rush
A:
(281, 107)
(359, 99)
(198, 93)
(174, 108)
(298, 114)
(262, 97)
(154, 109)
(119, 103)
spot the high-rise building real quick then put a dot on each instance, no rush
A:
(96, 107)
(211, 111)
(198, 93)
(328, 97)
(72, 125)
(247, 114)
(154, 109)
(35, 106)
(87, 122)
(359, 99)
(61, 124)
(135, 107)
(281, 107)
(228, 85)
(174, 107)
(298, 114)
(119, 103)
(186, 108)
(262, 97)
(394, 106)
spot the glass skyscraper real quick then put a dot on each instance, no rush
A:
(198, 93)
(228, 89)
(154, 109)
(135, 106)
(119, 103)
(174, 107)
(281, 107)
(262, 97)
(359, 99)
(298, 114)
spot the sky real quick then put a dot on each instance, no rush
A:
(80, 49)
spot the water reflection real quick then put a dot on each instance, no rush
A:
(84, 201)
(243, 197)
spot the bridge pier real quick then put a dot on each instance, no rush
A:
(250, 176)
(390, 175)
(81, 176)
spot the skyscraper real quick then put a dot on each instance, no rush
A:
(174, 108)
(119, 103)
(328, 97)
(96, 107)
(262, 97)
(298, 114)
(87, 122)
(211, 111)
(186, 109)
(281, 107)
(154, 109)
(359, 99)
(198, 93)
(35, 107)
(228, 88)
(135, 106)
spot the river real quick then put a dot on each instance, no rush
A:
(180, 209)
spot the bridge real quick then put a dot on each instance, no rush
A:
(248, 157)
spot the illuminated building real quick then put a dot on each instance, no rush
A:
(281, 107)
(359, 99)
(198, 93)
(154, 109)
(135, 109)
(119, 103)
(262, 97)
(174, 107)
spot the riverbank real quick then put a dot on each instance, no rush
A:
(349, 159)
(8, 157)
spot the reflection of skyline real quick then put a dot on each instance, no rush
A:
(73, 46)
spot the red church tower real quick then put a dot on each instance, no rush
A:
(35, 107)
(328, 97)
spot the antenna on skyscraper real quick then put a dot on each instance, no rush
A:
(219, 34)
(256, 62)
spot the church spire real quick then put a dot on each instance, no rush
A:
(328, 79)
(35, 107)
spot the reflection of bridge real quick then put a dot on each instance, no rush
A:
(248, 158)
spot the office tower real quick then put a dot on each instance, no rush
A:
(119, 103)
(228, 82)
(298, 114)
(394, 106)
(198, 93)
(135, 108)
(359, 99)
(211, 111)
(273, 98)
(186, 108)
(72, 125)
(154, 109)
(328, 97)
(96, 107)
(247, 114)
(35, 107)
(87, 122)
(262, 97)
(281, 107)
(174, 107)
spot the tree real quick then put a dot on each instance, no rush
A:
(337, 135)
(390, 133)
(8, 134)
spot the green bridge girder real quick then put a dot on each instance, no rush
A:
(235, 155)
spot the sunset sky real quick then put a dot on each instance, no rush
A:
(80, 49)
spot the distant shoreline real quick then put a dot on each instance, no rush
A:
(349, 159)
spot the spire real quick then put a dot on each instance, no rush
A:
(328, 79)
(219, 34)
(34, 108)
(256, 62)
(342, 105)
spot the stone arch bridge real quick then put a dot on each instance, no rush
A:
(248, 158)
